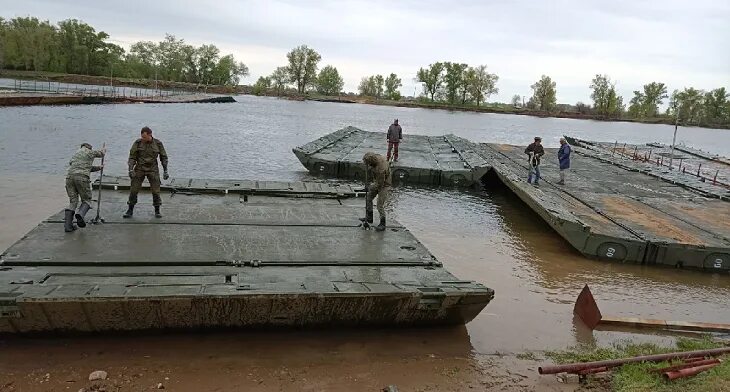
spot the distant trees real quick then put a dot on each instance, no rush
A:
(75, 47)
(646, 103)
(457, 82)
(329, 81)
(372, 86)
(606, 101)
(279, 79)
(302, 68)
(543, 94)
(717, 106)
(392, 84)
(262, 85)
(432, 78)
(516, 101)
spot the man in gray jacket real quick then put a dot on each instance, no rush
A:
(395, 135)
(78, 184)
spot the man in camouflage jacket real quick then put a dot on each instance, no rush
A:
(78, 185)
(143, 164)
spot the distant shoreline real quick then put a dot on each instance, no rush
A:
(248, 90)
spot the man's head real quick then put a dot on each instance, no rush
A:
(563, 141)
(395, 121)
(538, 140)
(370, 158)
(146, 134)
(87, 145)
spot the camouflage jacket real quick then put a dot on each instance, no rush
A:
(378, 166)
(143, 156)
(82, 162)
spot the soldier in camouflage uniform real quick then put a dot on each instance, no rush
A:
(378, 165)
(78, 184)
(143, 164)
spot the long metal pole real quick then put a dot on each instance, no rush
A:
(674, 139)
(98, 217)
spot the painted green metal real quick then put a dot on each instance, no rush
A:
(228, 253)
(441, 160)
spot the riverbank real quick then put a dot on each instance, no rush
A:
(346, 98)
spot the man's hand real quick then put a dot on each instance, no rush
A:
(165, 176)
(131, 174)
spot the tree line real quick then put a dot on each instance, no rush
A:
(74, 47)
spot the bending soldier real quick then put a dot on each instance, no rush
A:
(143, 164)
(378, 165)
(78, 184)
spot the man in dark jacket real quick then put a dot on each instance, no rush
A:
(564, 159)
(534, 151)
(78, 185)
(395, 135)
(143, 164)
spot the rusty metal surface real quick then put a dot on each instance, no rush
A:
(587, 309)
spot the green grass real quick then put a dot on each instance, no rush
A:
(637, 378)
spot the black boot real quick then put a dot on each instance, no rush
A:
(130, 211)
(68, 221)
(82, 213)
(381, 226)
(368, 217)
(157, 212)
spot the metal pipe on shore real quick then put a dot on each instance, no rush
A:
(576, 367)
(693, 362)
(688, 372)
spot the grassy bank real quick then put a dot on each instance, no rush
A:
(637, 378)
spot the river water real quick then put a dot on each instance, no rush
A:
(487, 236)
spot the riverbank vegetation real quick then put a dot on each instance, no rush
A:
(33, 48)
(637, 377)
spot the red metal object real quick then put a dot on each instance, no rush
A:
(576, 367)
(692, 362)
(688, 372)
(593, 370)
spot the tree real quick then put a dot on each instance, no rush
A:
(262, 85)
(454, 80)
(654, 94)
(481, 84)
(543, 94)
(432, 78)
(372, 86)
(716, 106)
(606, 101)
(516, 101)
(303, 67)
(582, 108)
(279, 79)
(329, 81)
(686, 105)
(392, 84)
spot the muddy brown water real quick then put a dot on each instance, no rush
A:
(488, 236)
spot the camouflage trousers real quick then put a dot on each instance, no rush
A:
(383, 196)
(78, 187)
(154, 179)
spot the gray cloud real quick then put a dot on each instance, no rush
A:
(634, 42)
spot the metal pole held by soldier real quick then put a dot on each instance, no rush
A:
(98, 219)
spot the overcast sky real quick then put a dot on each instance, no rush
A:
(680, 43)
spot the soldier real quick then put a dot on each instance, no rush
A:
(143, 163)
(380, 187)
(534, 152)
(78, 184)
(395, 135)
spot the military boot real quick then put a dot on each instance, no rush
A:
(68, 221)
(157, 212)
(381, 226)
(82, 213)
(130, 211)
(368, 217)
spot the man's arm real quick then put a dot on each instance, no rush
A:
(529, 149)
(163, 155)
(96, 168)
(400, 133)
(132, 161)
